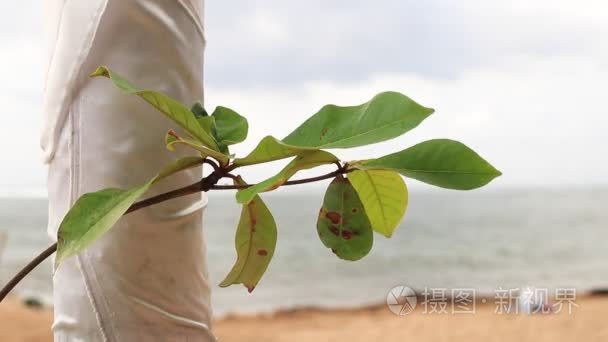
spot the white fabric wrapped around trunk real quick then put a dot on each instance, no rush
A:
(146, 280)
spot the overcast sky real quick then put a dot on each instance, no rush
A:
(521, 82)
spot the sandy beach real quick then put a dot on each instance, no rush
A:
(587, 323)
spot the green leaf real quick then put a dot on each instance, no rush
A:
(95, 213)
(386, 116)
(269, 149)
(255, 242)
(172, 139)
(343, 225)
(384, 197)
(198, 110)
(304, 161)
(208, 124)
(166, 105)
(231, 128)
(442, 162)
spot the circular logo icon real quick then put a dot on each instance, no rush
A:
(401, 300)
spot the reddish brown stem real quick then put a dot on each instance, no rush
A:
(204, 185)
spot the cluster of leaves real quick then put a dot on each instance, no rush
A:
(366, 196)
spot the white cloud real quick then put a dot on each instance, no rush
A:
(350, 40)
(538, 119)
(268, 28)
(519, 81)
(21, 120)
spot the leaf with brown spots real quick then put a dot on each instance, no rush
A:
(343, 225)
(255, 241)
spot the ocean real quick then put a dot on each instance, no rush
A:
(485, 239)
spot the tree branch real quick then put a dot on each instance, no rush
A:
(204, 185)
(26, 270)
(293, 182)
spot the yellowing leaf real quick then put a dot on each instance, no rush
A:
(384, 197)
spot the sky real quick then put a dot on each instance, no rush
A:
(521, 82)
